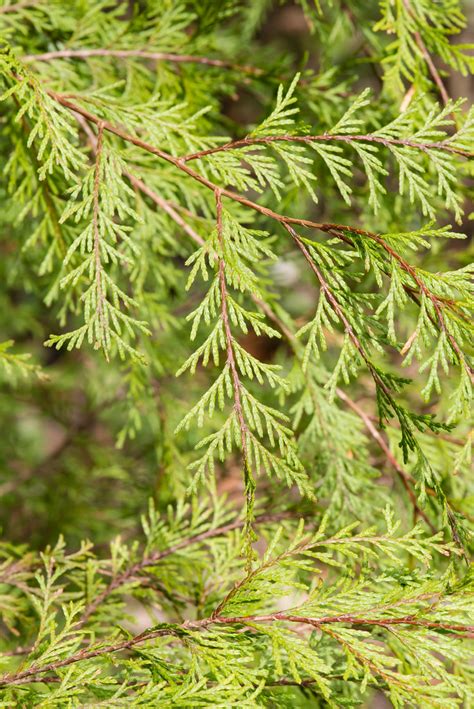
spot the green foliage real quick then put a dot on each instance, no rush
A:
(262, 325)
(241, 649)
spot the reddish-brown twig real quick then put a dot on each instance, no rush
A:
(329, 137)
(427, 57)
(25, 676)
(405, 477)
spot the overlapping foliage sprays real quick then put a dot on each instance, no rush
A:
(287, 238)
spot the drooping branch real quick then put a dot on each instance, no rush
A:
(236, 383)
(348, 329)
(144, 188)
(330, 228)
(404, 476)
(376, 435)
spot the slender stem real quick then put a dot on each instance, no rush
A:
(100, 294)
(236, 383)
(378, 438)
(329, 137)
(467, 630)
(140, 54)
(329, 295)
(25, 676)
(405, 477)
(180, 163)
(237, 388)
(432, 68)
(140, 185)
(166, 207)
(427, 57)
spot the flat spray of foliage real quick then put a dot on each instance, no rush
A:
(285, 240)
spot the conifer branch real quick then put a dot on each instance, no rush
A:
(466, 630)
(429, 61)
(335, 304)
(424, 147)
(97, 247)
(237, 386)
(145, 189)
(331, 228)
(180, 163)
(437, 303)
(460, 630)
(286, 222)
(405, 477)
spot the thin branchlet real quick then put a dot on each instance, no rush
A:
(466, 631)
(424, 147)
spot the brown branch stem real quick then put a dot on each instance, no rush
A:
(181, 165)
(405, 477)
(427, 57)
(96, 232)
(25, 676)
(329, 137)
(141, 54)
(332, 300)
